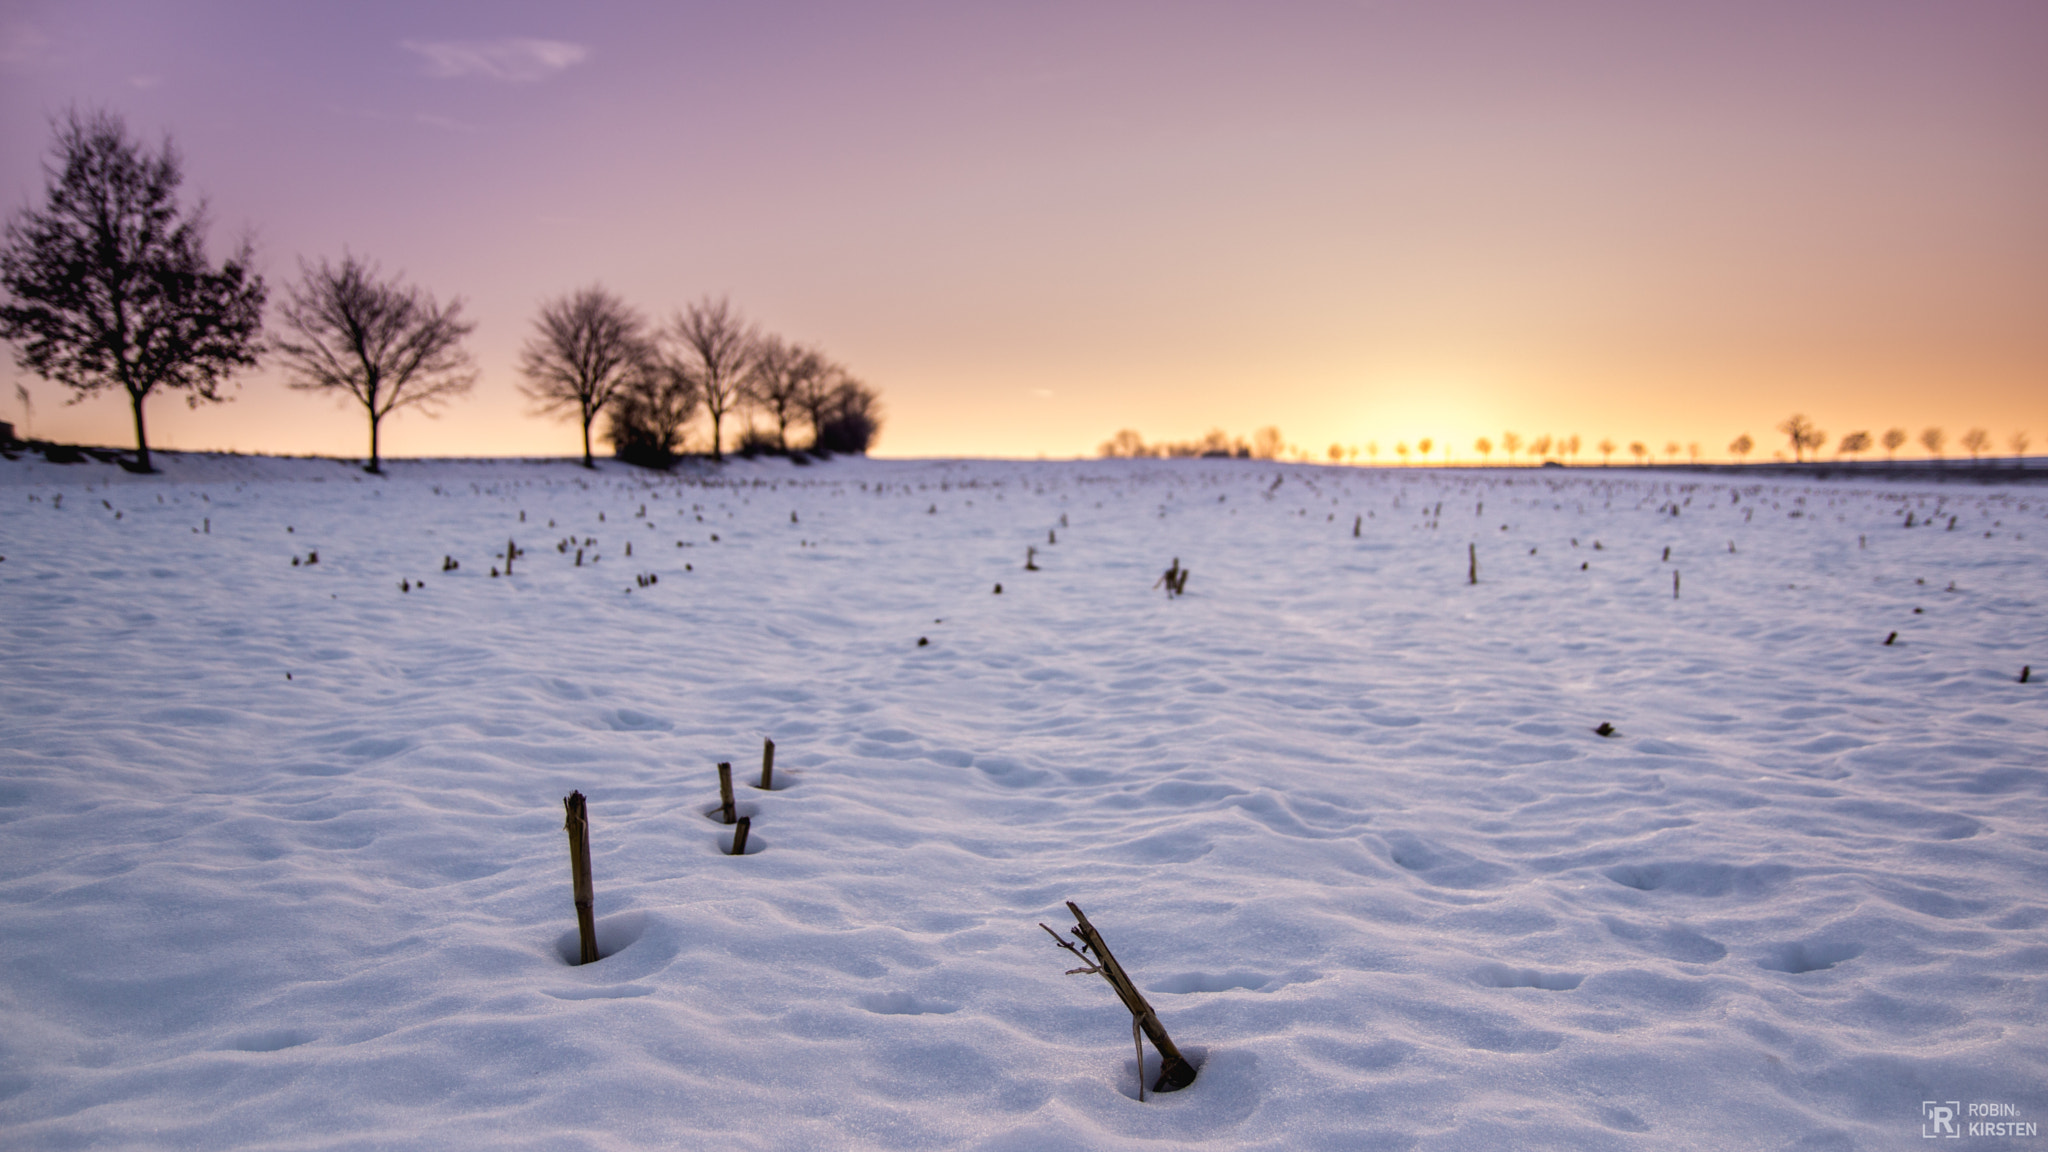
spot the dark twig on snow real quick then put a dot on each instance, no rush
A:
(1175, 1072)
(578, 823)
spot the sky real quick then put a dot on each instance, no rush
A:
(1029, 226)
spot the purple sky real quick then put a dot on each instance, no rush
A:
(1031, 225)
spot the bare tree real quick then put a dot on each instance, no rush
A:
(717, 350)
(1741, 446)
(1894, 439)
(1540, 447)
(1692, 451)
(1511, 442)
(1267, 443)
(585, 348)
(1853, 443)
(1638, 450)
(1606, 447)
(387, 345)
(1934, 439)
(1671, 451)
(853, 419)
(782, 371)
(1975, 442)
(649, 411)
(1571, 446)
(1485, 448)
(1422, 448)
(109, 285)
(1401, 450)
(1126, 444)
(1803, 435)
(2018, 441)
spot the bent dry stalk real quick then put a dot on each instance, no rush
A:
(1175, 1072)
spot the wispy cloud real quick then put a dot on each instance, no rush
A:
(444, 123)
(21, 42)
(515, 59)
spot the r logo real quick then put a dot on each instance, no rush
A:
(1938, 1118)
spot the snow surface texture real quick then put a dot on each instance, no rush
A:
(282, 861)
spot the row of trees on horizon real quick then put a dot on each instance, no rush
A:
(1801, 436)
(109, 287)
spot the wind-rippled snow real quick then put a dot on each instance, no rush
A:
(1341, 814)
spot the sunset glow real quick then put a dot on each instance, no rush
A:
(1029, 227)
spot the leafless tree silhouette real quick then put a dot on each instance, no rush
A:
(1126, 444)
(387, 345)
(649, 412)
(782, 371)
(1894, 439)
(1976, 441)
(1422, 448)
(1692, 451)
(1267, 443)
(1637, 449)
(1741, 446)
(1671, 451)
(109, 285)
(717, 350)
(1803, 435)
(1606, 447)
(1484, 448)
(1540, 447)
(1934, 439)
(1853, 443)
(853, 418)
(1511, 443)
(585, 348)
(2018, 442)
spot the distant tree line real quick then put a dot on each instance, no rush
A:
(108, 286)
(1265, 444)
(592, 355)
(1801, 436)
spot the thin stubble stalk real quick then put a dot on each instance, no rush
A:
(767, 764)
(1175, 1072)
(725, 791)
(578, 824)
(739, 836)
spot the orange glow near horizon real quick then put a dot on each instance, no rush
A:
(1029, 230)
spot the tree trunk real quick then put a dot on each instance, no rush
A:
(373, 444)
(717, 453)
(587, 462)
(141, 437)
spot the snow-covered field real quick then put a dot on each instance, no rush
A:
(282, 861)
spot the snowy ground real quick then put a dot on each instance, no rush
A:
(282, 861)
